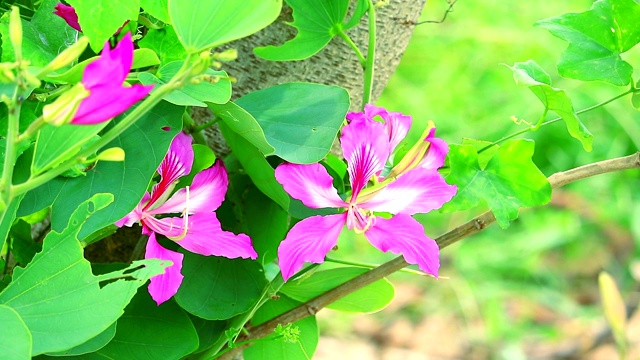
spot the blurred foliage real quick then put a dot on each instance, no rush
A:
(532, 281)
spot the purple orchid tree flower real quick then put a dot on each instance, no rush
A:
(197, 229)
(367, 146)
(103, 79)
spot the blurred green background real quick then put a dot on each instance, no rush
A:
(531, 289)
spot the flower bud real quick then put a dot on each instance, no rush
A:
(66, 57)
(111, 154)
(63, 110)
(15, 32)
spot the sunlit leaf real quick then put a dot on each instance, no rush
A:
(157, 8)
(243, 124)
(303, 348)
(217, 288)
(165, 43)
(218, 91)
(317, 23)
(100, 19)
(203, 24)
(299, 134)
(596, 39)
(368, 299)
(531, 75)
(15, 338)
(62, 303)
(509, 181)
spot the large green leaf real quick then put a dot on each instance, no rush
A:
(157, 8)
(256, 166)
(43, 38)
(55, 144)
(145, 144)
(596, 39)
(217, 288)
(92, 345)
(218, 92)
(15, 338)
(57, 296)
(203, 24)
(317, 23)
(280, 349)
(100, 19)
(6, 219)
(243, 124)
(299, 134)
(165, 43)
(531, 75)
(509, 181)
(149, 331)
(368, 299)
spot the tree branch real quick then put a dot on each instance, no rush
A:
(467, 229)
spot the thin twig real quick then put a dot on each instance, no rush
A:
(471, 227)
(444, 16)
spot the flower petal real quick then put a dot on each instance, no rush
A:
(365, 145)
(370, 111)
(310, 184)
(108, 101)
(135, 215)
(417, 191)
(206, 193)
(309, 241)
(164, 286)
(68, 13)
(206, 237)
(112, 67)
(438, 150)
(176, 163)
(397, 126)
(402, 234)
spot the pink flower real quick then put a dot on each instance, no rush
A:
(367, 146)
(197, 230)
(68, 13)
(103, 80)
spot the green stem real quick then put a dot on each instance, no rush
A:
(195, 130)
(13, 130)
(347, 39)
(539, 125)
(178, 81)
(241, 343)
(371, 56)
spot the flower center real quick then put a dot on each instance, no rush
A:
(358, 219)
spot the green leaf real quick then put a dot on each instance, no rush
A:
(531, 75)
(361, 8)
(58, 297)
(243, 124)
(299, 134)
(317, 23)
(509, 181)
(149, 331)
(7, 218)
(208, 331)
(15, 338)
(217, 288)
(596, 39)
(100, 19)
(218, 92)
(256, 166)
(165, 43)
(635, 98)
(159, 9)
(23, 248)
(204, 24)
(127, 180)
(43, 38)
(55, 144)
(141, 58)
(278, 349)
(368, 299)
(94, 344)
